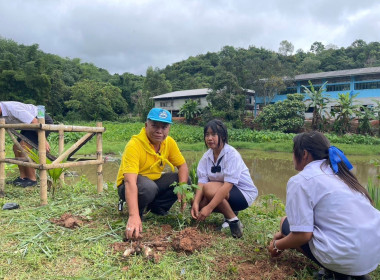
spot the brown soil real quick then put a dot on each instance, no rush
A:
(68, 220)
(247, 266)
(265, 268)
(187, 240)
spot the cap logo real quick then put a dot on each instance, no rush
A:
(163, 115)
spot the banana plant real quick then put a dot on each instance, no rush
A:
(53, 174)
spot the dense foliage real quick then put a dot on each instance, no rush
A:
(285, 116)
(62, 84)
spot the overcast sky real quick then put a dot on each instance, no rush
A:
(129, 36)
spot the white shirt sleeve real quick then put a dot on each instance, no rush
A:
(202, 170)
(299, 206)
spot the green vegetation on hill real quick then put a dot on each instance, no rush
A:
(68, 88)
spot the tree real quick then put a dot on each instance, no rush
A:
(156, 83)
(365, 115)
(344, 112)
(190, 110)
(286, 48)
(318, 103)
(286, 116)
(267, 88)
(317, 47)
(93, 100)
(226, 97)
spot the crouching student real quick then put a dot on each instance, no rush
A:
(330, 217)
(224, 180)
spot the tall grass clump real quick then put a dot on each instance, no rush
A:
(374, 192)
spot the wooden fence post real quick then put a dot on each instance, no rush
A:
(99, 156)
(2, 157)
(42, 157)
(61, 147)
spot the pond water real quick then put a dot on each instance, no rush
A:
(270, 171)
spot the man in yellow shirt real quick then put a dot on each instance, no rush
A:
(140, 180)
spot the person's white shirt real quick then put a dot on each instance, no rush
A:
(233, 170)
(16, 112)
(345, 226)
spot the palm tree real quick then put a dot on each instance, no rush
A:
(345, 112)
(318, 103)
(190, 110)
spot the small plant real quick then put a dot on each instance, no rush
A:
(185, 190)
(53, 174)
(193, 173)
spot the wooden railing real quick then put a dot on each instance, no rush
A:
(41, 127)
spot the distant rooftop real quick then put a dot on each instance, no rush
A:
(182, 93)
(339, 73)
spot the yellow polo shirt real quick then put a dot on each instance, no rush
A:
(140, 158)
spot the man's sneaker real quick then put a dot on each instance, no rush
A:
(27, 183)
(15, 181)
(236, 228)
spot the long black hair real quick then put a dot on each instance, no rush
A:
(219, 128)
(318, 146)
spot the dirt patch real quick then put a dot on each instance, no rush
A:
(68, 220)
(247, 268)
(154, 243)
(190, 239)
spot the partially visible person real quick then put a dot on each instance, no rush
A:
(16, 112)
(224, 180)
(330, 217)
(140, 180)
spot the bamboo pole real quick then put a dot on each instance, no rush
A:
(22, 126)
(99, 156)
(61, 147)
(42, 158)
(71, 128)
(72, 148)
(22, 162)
(21, 149)
(53, 127)
(2, 157)
(71, 164)
(52, 166)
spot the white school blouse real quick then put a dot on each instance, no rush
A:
(233, 170)
(345, 226)
(17, 112)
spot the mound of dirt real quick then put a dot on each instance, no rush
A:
(68, 220)
(190, 239)
(153, 243)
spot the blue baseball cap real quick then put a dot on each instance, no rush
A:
(160, 115)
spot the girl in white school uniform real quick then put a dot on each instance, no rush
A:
(330, 217)
(224, 180)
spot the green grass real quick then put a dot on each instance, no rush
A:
(35, 248)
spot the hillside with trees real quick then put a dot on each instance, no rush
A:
(73, 90)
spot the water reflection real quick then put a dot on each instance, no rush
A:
(270, 171)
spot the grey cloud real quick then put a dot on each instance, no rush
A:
(129, 36)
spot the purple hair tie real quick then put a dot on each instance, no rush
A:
(337, 156)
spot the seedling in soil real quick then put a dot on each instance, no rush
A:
(185, 190)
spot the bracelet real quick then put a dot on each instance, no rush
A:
(275, 247)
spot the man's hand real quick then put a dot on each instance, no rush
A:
(47, 145)
(134, 227)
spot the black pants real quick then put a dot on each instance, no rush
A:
(32, 134)
(154, 194)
